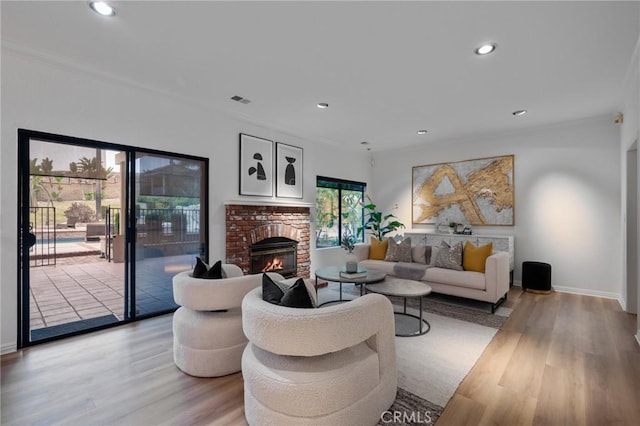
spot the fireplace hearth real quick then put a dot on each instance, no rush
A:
(277, 254)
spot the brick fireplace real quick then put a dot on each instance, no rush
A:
(247, 225)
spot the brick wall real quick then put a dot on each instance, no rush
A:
(247, 225)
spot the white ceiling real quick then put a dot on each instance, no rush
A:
(387, 69)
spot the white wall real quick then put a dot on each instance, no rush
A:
(567, 197)
(630, 137)
(39, 95)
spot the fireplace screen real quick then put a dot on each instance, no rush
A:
(277, 254)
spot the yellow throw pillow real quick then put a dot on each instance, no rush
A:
(378, 249)
(474, 258)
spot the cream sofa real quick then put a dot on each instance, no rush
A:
(491, 286)
(334, 365)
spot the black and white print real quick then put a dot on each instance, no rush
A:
(288, 171)
(256, 166)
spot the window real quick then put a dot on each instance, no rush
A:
(338, 210)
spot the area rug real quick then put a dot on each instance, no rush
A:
(431, 366)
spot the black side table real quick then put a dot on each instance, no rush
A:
(536, 277)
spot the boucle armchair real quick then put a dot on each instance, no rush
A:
(334, 365)
(207, 329)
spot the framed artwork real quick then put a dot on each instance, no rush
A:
(256, 166)
(288, 171)
(475, 192)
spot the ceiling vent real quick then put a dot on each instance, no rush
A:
(240, 99)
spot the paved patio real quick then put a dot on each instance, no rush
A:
(81, 287)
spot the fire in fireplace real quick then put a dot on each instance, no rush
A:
(277, 254)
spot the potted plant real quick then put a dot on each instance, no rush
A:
(351, 261)
(378, 223)
(452, 227)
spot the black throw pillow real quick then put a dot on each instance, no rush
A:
(271, 292)
(296, 296)
(215, 272)
(202, 270)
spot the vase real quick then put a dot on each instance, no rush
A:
(351, 263)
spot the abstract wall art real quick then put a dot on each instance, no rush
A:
(475, 192)
(288, 171)
(256, 166)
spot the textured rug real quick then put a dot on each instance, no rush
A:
(431, 366)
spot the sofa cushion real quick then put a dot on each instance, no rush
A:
(449, 257)
(467, 279)
(474, 258)
(398, 252)
(293, 381)
(202, 270)
(378, 249)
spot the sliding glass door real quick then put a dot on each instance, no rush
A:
(102, 229)
(169, 218)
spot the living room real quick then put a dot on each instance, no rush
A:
(571, 171)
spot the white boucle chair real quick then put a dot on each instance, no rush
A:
(207, 328)
(334, 365)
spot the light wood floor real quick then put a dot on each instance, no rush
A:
(560, 359)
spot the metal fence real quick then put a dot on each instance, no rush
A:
(42, 225)
(172, 225)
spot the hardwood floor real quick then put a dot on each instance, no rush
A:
(560, 359)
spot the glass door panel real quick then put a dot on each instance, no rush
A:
(71, 283)
(169, 205)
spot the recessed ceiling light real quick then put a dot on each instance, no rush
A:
(421, 132)
(323, 105)
(102, 8)
(485, 49)
(519, 112)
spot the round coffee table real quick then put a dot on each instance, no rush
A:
(338, 274)
(404, 288)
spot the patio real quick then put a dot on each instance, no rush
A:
(82, 285)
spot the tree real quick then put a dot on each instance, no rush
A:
(326, 211)
(91, 168)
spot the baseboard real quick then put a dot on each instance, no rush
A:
(638, 337)
(8, 348)
(517, 283)
(585, 292)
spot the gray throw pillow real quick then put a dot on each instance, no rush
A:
(449, 257)
(399, 252)
(430, 255)
(418, 254)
